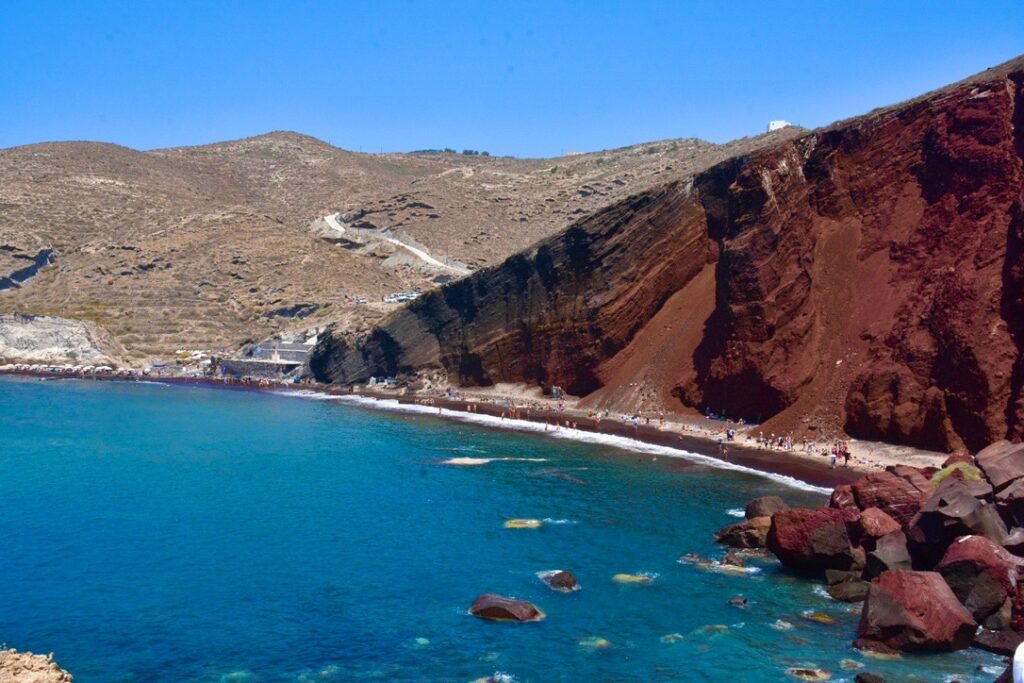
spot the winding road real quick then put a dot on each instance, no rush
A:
(332, 221)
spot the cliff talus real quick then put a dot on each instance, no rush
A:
(868, 276)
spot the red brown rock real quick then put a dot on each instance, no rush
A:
(983, 576)
(914, 612)
(842, 497)
(765, 506)
(810, 541)
(494, 607)
(890, 553)
(867, 275)
(1002, 462)
(950, 513)
(894, 495)
(874, 524)
(561, 580)
(752, 533)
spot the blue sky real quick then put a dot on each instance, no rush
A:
(522, 78)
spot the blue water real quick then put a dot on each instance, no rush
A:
(154, 533)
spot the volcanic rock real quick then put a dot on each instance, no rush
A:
(951, 512)
(874, 523)
(560, 580)
(494, 607)
(752, 533)
(982, 575)
(1000, 642)
(895, 495)
(810, 541)
(765, 506)
(864, 677)
(842, 497)
(890, 553)
(1002, 462)
(914, 611)
(865, 275)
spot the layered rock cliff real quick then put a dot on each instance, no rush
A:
(867, 277)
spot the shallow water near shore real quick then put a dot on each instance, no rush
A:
(156, 533)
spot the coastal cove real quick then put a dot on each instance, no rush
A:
(187, 533)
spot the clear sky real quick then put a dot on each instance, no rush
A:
(522, 78)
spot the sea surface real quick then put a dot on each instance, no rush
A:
(159, 533)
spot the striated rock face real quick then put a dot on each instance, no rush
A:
(868, 276)
(25, 667)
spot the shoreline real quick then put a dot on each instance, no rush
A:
(813, 471)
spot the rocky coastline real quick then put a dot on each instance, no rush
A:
(936, 555)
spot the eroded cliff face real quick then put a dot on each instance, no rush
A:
(867, 277)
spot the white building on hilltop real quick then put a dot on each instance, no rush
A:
(778, 124)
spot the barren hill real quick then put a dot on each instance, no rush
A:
(866, 277)
(207, 247)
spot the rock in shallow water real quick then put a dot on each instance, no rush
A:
(752, 533)
(765, 506)
(494, 607)
(809, 541)
(559, 579)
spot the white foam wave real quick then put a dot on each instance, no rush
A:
(548, 520)
(736, 512)
(620, 442)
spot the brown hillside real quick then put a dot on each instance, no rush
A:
(205, 247)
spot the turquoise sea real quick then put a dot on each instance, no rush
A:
(158, 533)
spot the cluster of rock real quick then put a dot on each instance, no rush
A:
(934, 554)
(25, 667)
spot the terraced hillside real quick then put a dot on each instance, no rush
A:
(207, 247)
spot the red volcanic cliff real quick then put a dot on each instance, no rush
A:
(868, 277)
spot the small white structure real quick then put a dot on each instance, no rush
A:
(778, 124)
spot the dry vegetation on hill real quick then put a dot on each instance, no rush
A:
(205, 247)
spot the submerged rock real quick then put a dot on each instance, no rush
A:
(522, 524)
(25, 667)
(809, 674)
(494, 607)
(559, 579)
(594, 643)
(820, 617)
(643, 579)
(913, 611)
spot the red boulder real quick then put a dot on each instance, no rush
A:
(1002, 462)
(983, 576)
(752, 533)
(895, 495)
(494, 607)
(914, 612)
(842, 497)
(765, 506)
(874, 523)
(810, 541)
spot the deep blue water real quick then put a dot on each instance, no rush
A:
(154, 533)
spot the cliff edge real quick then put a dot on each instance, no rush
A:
(866, 277)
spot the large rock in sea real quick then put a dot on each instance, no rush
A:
(25, 667)
(810, 541)
(752, 533)
(765, 506)
(897, 496)
(494, 607)
(1002, 462)
(913, 612)
(951, 512)
(983, 576)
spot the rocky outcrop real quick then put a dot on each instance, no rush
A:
(983, 577)
(25, 667)
(44, 339)
(913, 611)
(868, 276)
(494, 607)
(751, 533)
(811, 541)
(765, 506)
